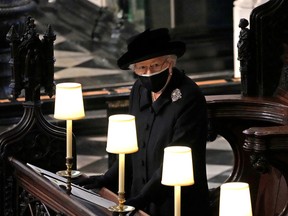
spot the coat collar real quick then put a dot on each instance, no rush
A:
(165, 97)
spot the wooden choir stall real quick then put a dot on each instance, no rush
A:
(255, 123)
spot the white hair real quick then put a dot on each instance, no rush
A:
(171, 56)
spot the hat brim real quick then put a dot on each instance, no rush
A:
(173, 48)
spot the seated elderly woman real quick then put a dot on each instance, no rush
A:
(170, 109)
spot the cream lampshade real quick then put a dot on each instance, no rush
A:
(69, 101)
(177, 166)
(177, 171)
(121, 139)
(235, 199)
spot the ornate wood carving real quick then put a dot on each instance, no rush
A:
(244, 56)
(12, 12)
(263, 161)
(268, 28)
(266, 145)
(268, 148)
(262, 54)
(55, 199)
(33, 139)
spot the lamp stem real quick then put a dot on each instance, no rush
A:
(69, 156)
(69, 138)
(69, 164)
(121, 208)
(121, 173)
(172, 13)
(177, 200)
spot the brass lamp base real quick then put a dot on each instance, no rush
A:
(119, 209)
(64, 173)
(68, 174)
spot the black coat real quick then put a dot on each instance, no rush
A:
(161, 124)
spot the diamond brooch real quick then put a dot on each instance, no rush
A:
(176, 95)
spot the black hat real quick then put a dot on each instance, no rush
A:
(150, 44)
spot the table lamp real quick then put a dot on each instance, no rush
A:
(68, 106)
(235, 199)
(121, 140)
(177, 171)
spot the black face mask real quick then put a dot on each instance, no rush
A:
(156, 81)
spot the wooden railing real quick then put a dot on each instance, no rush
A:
(47, 197)
(48, 194)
